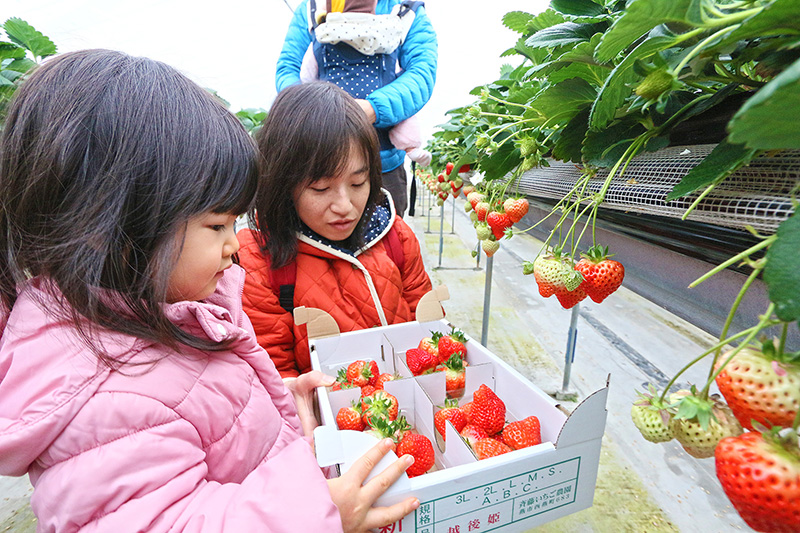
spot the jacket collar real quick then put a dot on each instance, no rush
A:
(379, 225)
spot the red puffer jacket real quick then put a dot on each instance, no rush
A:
(358, 292)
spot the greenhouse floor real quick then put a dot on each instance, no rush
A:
(641, 487)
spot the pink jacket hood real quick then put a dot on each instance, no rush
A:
(189, 442)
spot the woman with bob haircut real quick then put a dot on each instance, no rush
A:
(132, 389)
(328, 236)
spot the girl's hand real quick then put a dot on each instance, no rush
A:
(355, 501)
(302, 388)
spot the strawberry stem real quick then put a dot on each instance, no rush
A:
(738, 257)
(749, 281)
(753, 330)
(762, 324)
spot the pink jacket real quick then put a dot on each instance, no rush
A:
(191, 442)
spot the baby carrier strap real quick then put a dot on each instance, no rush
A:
(282, 280)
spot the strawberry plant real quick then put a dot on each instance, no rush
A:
(596, 83)
(24, 48)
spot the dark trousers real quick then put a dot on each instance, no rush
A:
(394, 181)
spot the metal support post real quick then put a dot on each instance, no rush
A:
(569, 357)
(441, 234)
(487, 297)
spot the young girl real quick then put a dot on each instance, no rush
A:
(132, 390)
(329, 235)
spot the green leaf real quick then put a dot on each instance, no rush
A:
(26, 36)
(568, 145)
(22, 65)
(593, 74)
(640, 17)
(562, 101)
(781, 273)
(581, 8)
(617, 86)
(778, 18)
(4, 81)
(769, 119)
(517, 21)
(604, 148)
(10, 51)
(723, 159)
(566, 33)
(501, 162)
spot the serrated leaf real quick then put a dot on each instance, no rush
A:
(593, 74)
(640, 17)
(562, 101)
(566, 33)
(11, 51)
(781, 273)
(604, 148)
(545, 19)
(768, 120)
(778, 18)
(569, 143)
(723, 159)
(581, 8)
(617, 86)
(28, 37)
(500, 163)
(517, 21)
(21, 65)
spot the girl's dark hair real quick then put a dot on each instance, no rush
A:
(104, 158)
(306, 137)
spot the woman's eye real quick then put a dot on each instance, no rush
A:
(360, 184)
(218, 227)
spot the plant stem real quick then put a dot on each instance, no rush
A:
(762, 324)
(702, 355)
(749, 281)
(738, 257)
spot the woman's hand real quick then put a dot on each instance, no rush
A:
(355, 500)
(302, 388)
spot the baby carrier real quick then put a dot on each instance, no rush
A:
(358, 51)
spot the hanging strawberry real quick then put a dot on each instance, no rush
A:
(602, 276)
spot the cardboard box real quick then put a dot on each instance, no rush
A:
(509, 493)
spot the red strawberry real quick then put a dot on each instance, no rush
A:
(464, 168)
(383, 428)
(473, 434)
(467, 410)
(455, 376)
(350, 418)
(474, 198)
(485, 448)
(601, 276)
(468, 189)
(452, 343)
(568, 299)
(498, 222)
(419, 361)
(373, 369)
(488, 411)
(440, 178)
(367, 390)
(448, 168)
(341, 381)
(760, 474)
(523, 433)
(358, 373)
(482, 209)
(379, 404)
(429, 345)
(419, 447)
(450, 412)
(761, 385)
(382, 379)
(516, 208)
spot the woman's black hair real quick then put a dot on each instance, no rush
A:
(104, 159)
(308, 136)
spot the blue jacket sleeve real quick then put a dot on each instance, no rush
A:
(294, 48)
(406, 95)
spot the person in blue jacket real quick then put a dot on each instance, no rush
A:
(388, 87)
